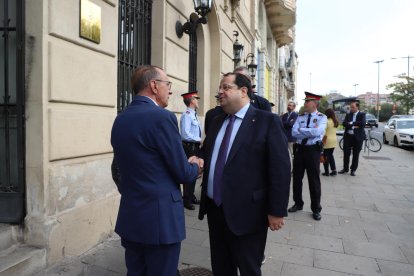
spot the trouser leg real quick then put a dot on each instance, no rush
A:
(312, 170)
(298, 173)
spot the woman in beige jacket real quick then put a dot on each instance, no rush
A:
(330, 143)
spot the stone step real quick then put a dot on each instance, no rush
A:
(6, 236)
(22, 260)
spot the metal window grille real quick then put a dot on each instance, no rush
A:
(192, 78)
(12, 150)
(134, 44)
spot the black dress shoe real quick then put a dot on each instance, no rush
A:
(189, 206)
(343, 171)
(295, 208)
(317, 216)
(325, 174)
(353, 173)
(333, 173)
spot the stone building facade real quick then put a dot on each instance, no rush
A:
(68, 89)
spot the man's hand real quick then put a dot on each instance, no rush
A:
(275, 223)
(199, 162)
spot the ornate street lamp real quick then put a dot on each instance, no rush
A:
(251, 66)
(237, 50)
(202, 8)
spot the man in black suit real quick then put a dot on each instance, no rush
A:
(354, 136)
(211, 114)
(245, 186)
(288, 120)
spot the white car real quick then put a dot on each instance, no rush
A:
(400, 131)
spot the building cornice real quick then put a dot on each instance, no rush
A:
(281, 15)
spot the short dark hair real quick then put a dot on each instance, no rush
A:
(241, 80)
(356, 103)
(142, 76)
(244, 71)
(187, 101)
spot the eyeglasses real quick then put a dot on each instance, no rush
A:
(226, 87)
(169, 84)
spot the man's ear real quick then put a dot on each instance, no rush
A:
(153, 86)
(244, 91)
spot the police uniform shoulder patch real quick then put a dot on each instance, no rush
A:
(187, 112)
(320, 114)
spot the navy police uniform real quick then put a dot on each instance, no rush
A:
(191, 138)
(309, 130)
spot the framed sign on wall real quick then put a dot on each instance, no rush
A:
(90, 21)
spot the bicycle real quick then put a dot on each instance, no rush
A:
(370, 143)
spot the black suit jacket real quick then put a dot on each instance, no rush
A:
(260, 102)
(256, 176)
(210, 115)
(288, 124)
(359, 132)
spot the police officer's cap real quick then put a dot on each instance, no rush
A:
(312, 97)
(189, 95)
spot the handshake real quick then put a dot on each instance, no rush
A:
(200, 163)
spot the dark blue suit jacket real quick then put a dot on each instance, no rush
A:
(288, 124)
(256, 176)
(152, 163)
(360, 121)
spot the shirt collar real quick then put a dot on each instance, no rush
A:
(242, 112)
(190, 110)
(152, 100)
(313, 113)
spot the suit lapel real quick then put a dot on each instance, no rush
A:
(247, 123)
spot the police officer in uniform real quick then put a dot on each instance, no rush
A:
(191, 137)
(309, 130)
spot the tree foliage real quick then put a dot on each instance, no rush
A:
(403, 92)
(386, 111)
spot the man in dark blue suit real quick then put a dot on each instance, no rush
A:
(354, 136)
(152, 164)
(245, 186)
(288, 120)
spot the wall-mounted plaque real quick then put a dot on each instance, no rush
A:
(90, 21)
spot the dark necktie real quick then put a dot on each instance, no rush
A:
(221, 161)
(304, 141)
(199, 128)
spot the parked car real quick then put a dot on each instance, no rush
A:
(400, 131)
(370, 120)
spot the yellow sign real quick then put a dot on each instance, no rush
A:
(90, 21)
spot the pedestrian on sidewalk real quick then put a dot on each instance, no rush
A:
(288, 120)
(191, 137)
(354, 136)
(329, 143)
(152, 164)
(245, 188)
(309, 130)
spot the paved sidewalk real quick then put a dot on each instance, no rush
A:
(367, 228)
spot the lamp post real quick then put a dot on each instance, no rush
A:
(408, 65)
(378, 97)
(202, 8)
(355, 85)
(237, 50)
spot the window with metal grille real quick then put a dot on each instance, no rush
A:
(12, 154)
(134, 44)
(192, 78)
